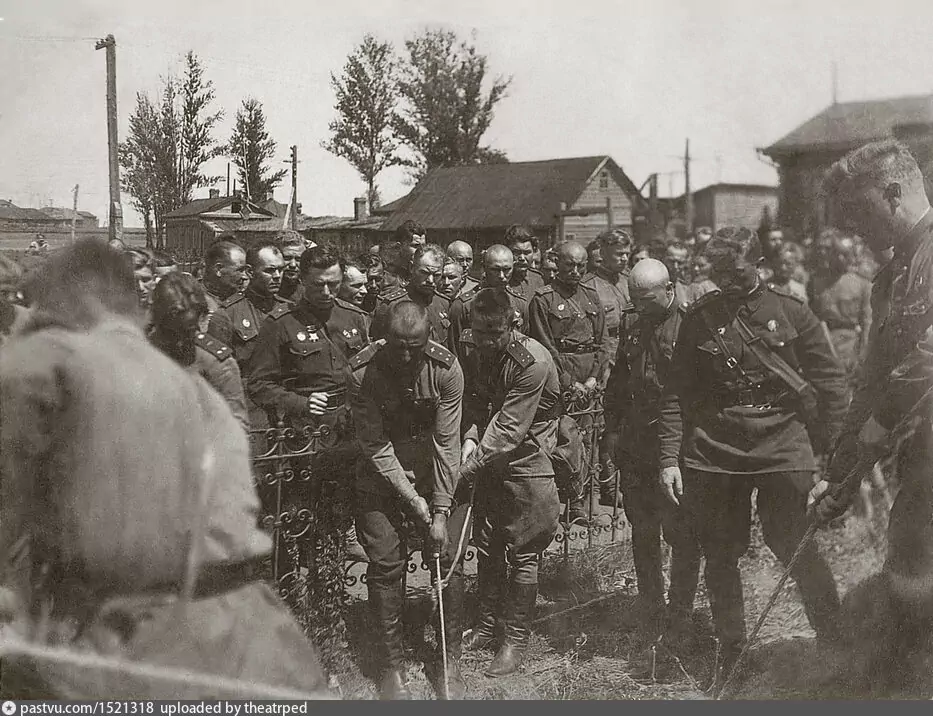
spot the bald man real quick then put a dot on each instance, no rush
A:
(462, 253)
(568, 319)
(632, 409)
(498, 265)
(406, 394)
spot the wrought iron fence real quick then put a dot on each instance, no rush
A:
(298, 488)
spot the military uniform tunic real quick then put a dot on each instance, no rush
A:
(214, 362)
(614, 297)
(844, 305)
(526, 285)
(461, 315)
(438, 314)
(247, 312)
(299, 353)
(510, 411)
(571, 324)
(217, 323)
(897, 373)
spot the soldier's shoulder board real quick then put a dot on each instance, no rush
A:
(439, 353)
(520, 354)
(536, 272)
(213, 346)
(515, 294)
(786, 294)
(393, 293)
(628, 308)
(280, 310)
(466, 336)
(544, 291)
(684, 308)
(231, 300)
(469, 295)
(349, 306)
(703, 301)
(360, 359)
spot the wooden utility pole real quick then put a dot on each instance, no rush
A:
(688, 197)
(228, 180)
(294, 211)
(115, 228)
(74, 213)
(609, 218)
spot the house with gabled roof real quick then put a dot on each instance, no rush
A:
(804, 155)
(193, 227)
(574, 198)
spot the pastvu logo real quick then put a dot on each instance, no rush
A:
(8, 708)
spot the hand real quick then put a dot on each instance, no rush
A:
(590, 385)
(468, 447)
(577, 391)
(437, 535)
(828, 500)
(872, 439)
(672, 484)
(317, 403)
(419, 506)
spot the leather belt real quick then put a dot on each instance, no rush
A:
(759, 397)
(576, 350)
(336, 398)
(842, 326)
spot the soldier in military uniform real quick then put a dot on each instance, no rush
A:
(178, 306)
(841, 298)
(751, 375)
(451, 280)
(426, 268)
(510, 431)
(879, 191)
(411, 234)
(298, 372)
(395, 266)
(525, 280)
(406, 393)
(633, 408)
(462, 253)
(293, 246)
(677, 259)
(353, 289)
(226, 276)
(568, 319)
(610, 280)
(549, 267)
(497, 270)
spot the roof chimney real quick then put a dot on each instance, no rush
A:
(215, 193)
(360, 210)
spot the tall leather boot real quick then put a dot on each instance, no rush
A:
(386, 603)
(453, 635)
(491, 574)
(519, 613)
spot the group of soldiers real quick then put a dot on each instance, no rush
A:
(444, 397)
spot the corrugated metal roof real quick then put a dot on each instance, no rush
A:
(497, 195)
(851, 124)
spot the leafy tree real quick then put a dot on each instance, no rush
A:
(252, 149)
(445, 110)
(167, 146)
(367, 95)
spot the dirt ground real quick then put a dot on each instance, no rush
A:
(594, 651)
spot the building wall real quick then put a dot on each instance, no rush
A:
(801, 202)
(187, 235)
(586, 228)
(742, 208)
(704, 209)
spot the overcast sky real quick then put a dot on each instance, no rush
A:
(628, 79)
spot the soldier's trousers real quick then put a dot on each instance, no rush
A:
(516, 519)
(720, 505)
(650, 512)
(380, 530)
(908, 568)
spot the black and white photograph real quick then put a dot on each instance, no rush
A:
(513, 350)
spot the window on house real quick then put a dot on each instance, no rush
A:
(604, 180)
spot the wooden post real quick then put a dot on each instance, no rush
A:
(74, 213)
(609, 222)
(295, 187)
(115, 228)
(228, 180)
(688, 197)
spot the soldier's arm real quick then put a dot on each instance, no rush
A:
(865, 322)
(617, 399)
(601, 343)
(447, 436)
(908, 383)
(682, 376)
(456, 326)
(264, 371)
(225, 378)
(374, 443)
(377, 328)
(824, 372)
(539, 328)
(221, 327)
(509, 426)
